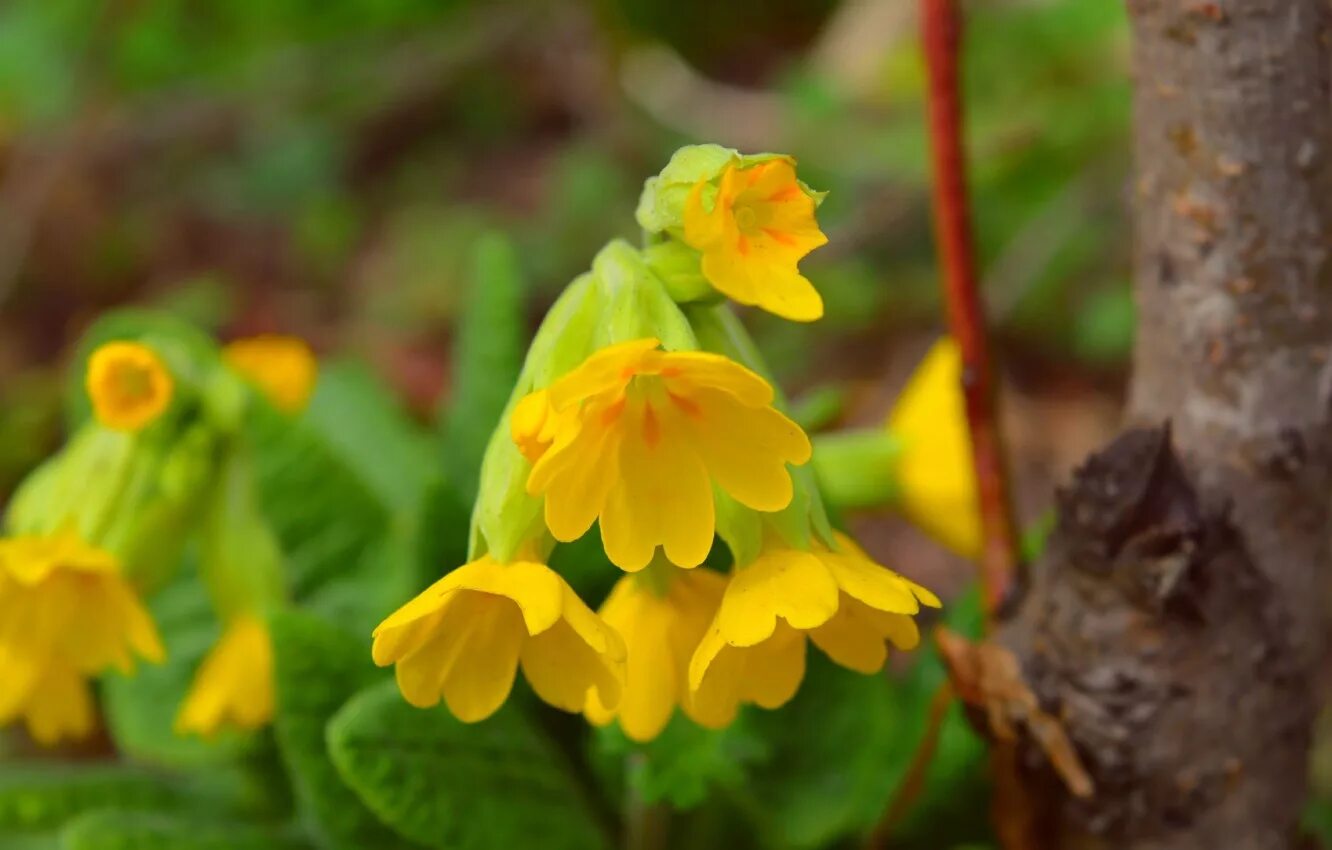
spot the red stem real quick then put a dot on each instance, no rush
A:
(941, 33)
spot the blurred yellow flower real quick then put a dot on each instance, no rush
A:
(66, 614)
(129, 385)
(759, 228)
(234, 685)
(661, 627)
(463, 638)
(754, 651)
(637, 437)
(282, 367)
(935, 474)
(56, 703)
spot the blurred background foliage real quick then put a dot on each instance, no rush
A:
(340, 170)
(323, 168)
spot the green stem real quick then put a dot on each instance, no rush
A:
(857, 469)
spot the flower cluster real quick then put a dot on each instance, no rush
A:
(93, 532)
(642, 410)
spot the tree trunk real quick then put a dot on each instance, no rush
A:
(1175, 623)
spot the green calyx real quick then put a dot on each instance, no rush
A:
(661, 206)
(241, 562)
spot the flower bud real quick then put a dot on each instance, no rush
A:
(661, 206)
(679, 268)
(637, 305)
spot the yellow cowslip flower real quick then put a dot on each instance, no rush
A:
(935, 475)
(282, 367)
(754, 652)
(661, 627)
(49, 695)
(129, 385)
(637, 437)
(463, 638)
(66, 614)
(234, 685)
(760, 226)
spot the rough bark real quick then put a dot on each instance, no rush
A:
(1175, 622)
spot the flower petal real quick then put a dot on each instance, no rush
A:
(408, 628)
(688, 371)
(938, 481)
(704, 229)
(663, 496)
(774, 669)
(714, 682)
(576, 476)
(536, 589)
(606, 370)
(852, 639)
(581, 654)
(489, 637)
(785, 583)
(60, 706)
(747, 449)
(763, 282)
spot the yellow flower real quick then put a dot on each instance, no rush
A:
(661, 628)
(129, 385)
(66, 614)
(637, 437)
(463, 638)
(760, 226)
(50, 695)
(754, 652)
(935, 474)
(282, 367)
(234, 685)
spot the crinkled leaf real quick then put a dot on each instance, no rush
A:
(114, 829)
(318, 668)
(41, 796)
(446, 784)
(683, 766)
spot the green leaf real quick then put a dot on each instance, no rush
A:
(685, 765)
(335, 506)
(486, 358)
(43, 795)
(325, 516)
(365, 427)
(318, 667)
(446, 784)
(110, 829)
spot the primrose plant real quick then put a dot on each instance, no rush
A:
(643, 408)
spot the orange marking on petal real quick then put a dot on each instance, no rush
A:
(742, 245)
(671, 372)
(779, 236)
(690, 408)
(612, 412)
(651, 427)
(756, 173)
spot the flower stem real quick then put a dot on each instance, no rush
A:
(646, 824)
(941, 35)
